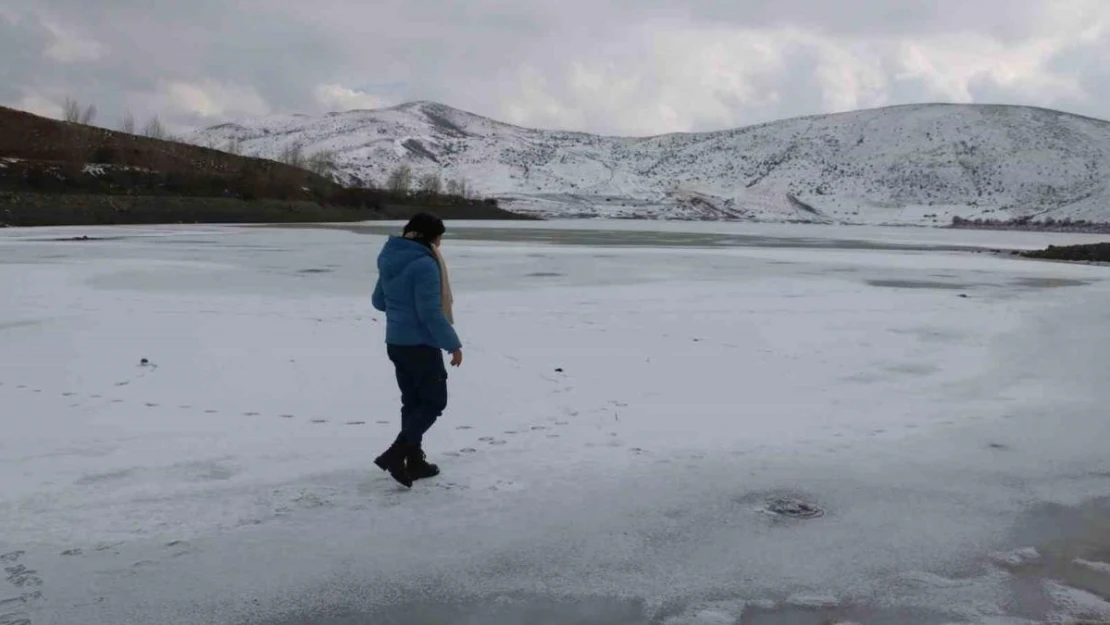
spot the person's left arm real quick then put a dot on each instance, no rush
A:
(378, 299)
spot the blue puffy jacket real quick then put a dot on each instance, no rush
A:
(408, 291)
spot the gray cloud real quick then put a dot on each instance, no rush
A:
(621, 66)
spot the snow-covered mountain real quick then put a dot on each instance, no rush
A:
(905, 164)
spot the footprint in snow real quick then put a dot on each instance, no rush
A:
(382, 422)
(68, 394)
(464, 427)
(469, 450)
(537, 428)
(185, 407)
(211, 411)
(151, 405)
(287, 416)
(486, 439)
(498, 442)
(356, 423)
(250, 414)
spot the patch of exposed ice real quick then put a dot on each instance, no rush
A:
(928, 580)
(1098, 567)
(1074, 604)
(1018, 557)
(813, 601)
(703, 617)
(763, 604)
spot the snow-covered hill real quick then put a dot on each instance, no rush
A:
(920, 164)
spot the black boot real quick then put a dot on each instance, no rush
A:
(393, 460)
(418, 466)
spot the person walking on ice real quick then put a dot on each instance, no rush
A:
(414, 293)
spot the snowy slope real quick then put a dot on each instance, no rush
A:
(906, 164)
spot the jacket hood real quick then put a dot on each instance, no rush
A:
(398, 253)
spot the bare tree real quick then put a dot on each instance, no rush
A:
(457, 187)
(154, 129)
(293, 154)
(431, 184)
(127, 123)
(400, 180)
(322, 163)
(88, 115)
(74, 114)
(71, 111)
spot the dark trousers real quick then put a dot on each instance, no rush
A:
(422, 378)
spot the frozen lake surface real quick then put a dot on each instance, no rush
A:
(692, 424)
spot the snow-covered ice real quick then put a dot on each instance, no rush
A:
(623, 418)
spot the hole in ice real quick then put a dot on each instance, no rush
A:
(793, 508)
(919, 284)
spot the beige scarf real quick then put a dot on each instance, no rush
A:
(447, 300)
(445, 287)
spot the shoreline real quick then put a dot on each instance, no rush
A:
(31, 210)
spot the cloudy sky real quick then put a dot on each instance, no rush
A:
(611, 66)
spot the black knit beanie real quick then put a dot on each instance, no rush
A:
(426, 227)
